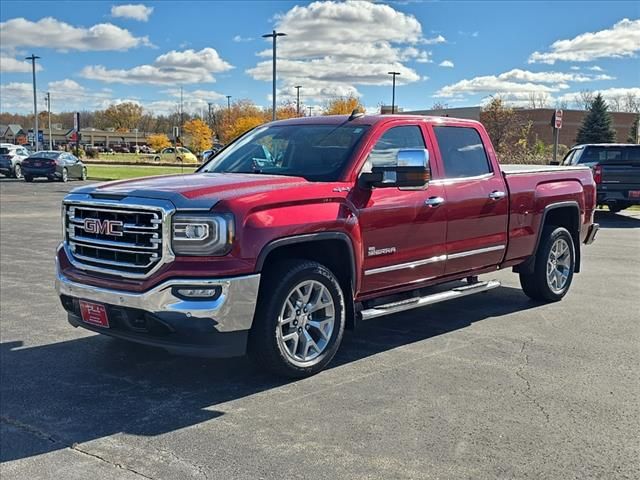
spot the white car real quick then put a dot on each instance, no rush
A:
(11, 157)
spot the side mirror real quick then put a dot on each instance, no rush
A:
(411, 169)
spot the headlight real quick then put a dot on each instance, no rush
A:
(202, 234)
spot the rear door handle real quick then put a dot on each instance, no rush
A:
(434, 201)
(497, 195)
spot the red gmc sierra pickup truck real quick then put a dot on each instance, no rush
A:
(302, 228)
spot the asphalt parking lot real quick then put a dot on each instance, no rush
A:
(489, 386)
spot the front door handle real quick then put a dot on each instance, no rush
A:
(497, 195)
(434, 201)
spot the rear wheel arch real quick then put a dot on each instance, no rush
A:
(560, 214)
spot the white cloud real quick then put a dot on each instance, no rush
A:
(66, 95)
(575, 68)
(136, 12)
(332, 47)
(52, 33)
(446, 64)
(621, 40)
(239, 38)
(517, 84)
(13, 65)
(596, 68)
(434, 40)
(174, 67)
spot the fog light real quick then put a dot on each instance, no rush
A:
(197, 293)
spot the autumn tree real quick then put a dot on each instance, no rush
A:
(242, 125)
(198, 134)
(158, 141)
(501, 123)
(123, 116)
(342, 105)
(596, 126)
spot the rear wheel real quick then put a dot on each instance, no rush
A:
(17, 171)
(156, 159)
(299, 319)
(65, 176)
(554, 266)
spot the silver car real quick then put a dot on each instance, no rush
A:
(11, 157)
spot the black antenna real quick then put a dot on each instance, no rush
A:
(357, 113)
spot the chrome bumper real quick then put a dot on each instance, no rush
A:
(231, 311)
(591, 234)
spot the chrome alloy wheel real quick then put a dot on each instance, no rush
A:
(558, 265)
(306, 322)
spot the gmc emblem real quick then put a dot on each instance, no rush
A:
(103, 227)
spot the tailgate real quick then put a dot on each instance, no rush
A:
(626, 175)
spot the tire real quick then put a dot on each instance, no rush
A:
(554, 286)
(179, 159)
(83, 177)
(17, 171)
(614, 208)
(65, 176)
(282, 347)
(28, 178)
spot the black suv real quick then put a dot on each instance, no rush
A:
(616, 170)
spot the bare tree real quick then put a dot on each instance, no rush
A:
(439, 106)
(584, 99)
(562, 104)
(615, 102)
(631, 103)
(538, 99)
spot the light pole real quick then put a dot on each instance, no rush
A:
(274, 35)
(48, 97)
(393, 92)
(33, 59)
(298, 87)
(310, 107)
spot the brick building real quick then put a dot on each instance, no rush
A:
(541, 118)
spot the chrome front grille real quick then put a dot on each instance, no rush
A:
(118, 239)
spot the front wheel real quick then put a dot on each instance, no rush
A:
(17, 171)
(65, 176)
(299, 319)
(84, 174)
(554, 266)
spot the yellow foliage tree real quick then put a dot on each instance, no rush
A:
(342, 106)
(158, 141)
(198, 135)
(242, 125)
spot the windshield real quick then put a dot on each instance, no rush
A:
(315, 152)
(46, 154)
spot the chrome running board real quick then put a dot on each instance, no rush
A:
(401, 306)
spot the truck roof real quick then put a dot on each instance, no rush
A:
(605, 145)
(370, 119)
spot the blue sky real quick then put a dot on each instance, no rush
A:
(457, 53)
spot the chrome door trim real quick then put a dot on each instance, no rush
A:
(400, 266)
(478, 251)
(438, 258)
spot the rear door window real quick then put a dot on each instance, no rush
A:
(614, 154)
(462, 151)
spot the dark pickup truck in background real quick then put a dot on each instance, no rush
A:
(304, 227)
(616, 171)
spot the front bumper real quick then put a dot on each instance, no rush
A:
(217, 327)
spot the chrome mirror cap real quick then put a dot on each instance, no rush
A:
(416, 157)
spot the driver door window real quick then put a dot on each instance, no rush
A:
(396, 138)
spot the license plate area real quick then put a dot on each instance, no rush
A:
(94, 314)
(634, 193)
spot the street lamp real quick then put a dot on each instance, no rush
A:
(393, 92)
(33, 59)
(48, 97)
(298, 87)
(274, 35)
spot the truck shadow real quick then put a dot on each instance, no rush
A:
(66, 393)
(607, 219)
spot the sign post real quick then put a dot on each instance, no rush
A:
(556, 122)
(76, 131)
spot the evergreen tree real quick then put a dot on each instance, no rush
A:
(596, 126)
(633, 132)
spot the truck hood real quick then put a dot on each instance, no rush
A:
(200, 190)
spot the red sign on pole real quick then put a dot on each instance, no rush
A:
(557, 119)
